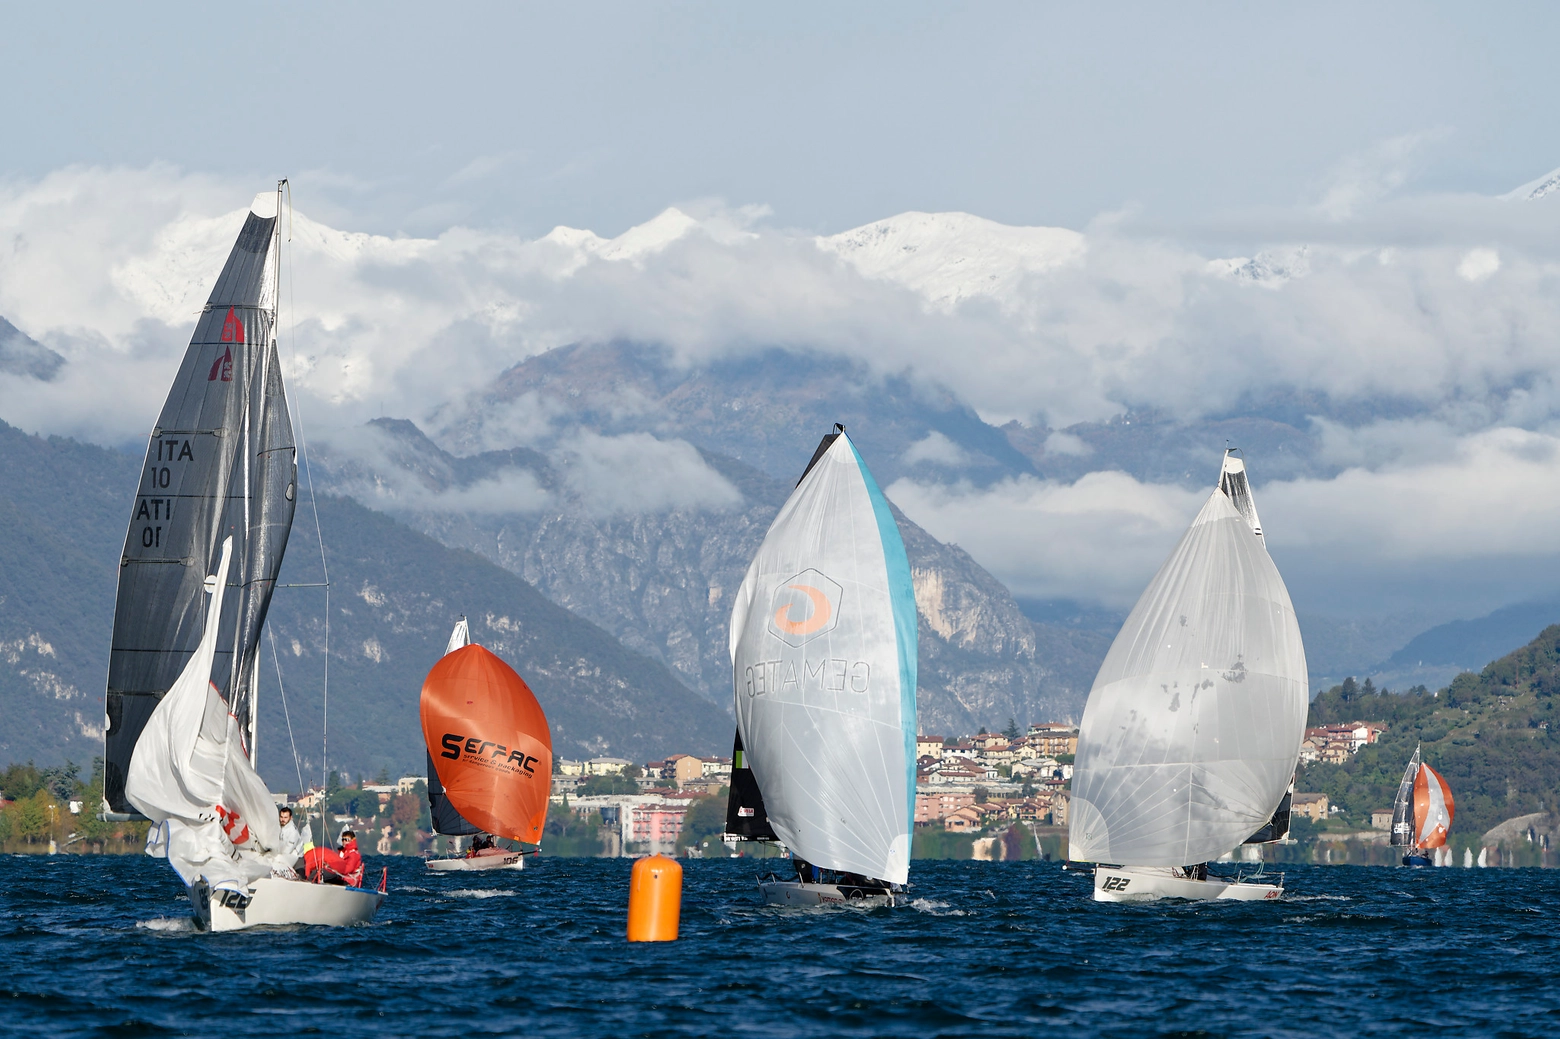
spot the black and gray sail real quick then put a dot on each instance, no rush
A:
(745, 814)
(220, 463)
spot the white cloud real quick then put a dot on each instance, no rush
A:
(638, 473)
(1020, 322)
(1059, 443)
(1098, 539)
(1422, 508)
(1478, 264)
(935, 449)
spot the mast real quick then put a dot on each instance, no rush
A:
(1403, 805)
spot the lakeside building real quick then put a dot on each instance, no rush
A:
(648, 823)
(1336, 744)
(1053, 739)
(1313, 807)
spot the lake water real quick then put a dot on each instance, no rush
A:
(102, 946)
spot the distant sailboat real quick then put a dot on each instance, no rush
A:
(1192, 731)
(823, 650)
(217, 492)
(489, 755)
(1422, 815)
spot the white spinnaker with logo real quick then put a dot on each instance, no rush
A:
(1194, 724)
(823, 650)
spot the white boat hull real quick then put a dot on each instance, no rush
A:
(796, 893)
(1146, 883)
(481, 862)
(273, 901)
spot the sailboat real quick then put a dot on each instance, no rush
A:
(823, 653)
(210, 519)
(489, 754)
(1192, 730)
(1422, 815)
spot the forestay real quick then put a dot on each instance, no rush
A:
(823, 649)
(220, 462)
(189, 774)
(1194, 723)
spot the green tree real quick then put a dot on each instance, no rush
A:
(1011, 732)
(702, 827)
(61, 781)
(608, 784)
(19, 781)
(571, 835)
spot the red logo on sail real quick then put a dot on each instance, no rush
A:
(222, 367)
(232, 328)
(236, 829)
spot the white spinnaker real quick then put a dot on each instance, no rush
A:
(460, 637)
(1195, 720)
(823, 653)
(189, 773)
(1436, 815)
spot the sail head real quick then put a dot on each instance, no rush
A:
(1235, 485)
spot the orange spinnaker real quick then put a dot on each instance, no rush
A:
(489, 742)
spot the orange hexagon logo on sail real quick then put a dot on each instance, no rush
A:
(804, 607)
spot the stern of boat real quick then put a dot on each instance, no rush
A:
(1147, 883)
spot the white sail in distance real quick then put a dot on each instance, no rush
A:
(1194, 723)
(823, 651)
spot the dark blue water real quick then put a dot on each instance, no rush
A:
(101, 946)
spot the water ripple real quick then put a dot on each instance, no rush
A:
(103, 947)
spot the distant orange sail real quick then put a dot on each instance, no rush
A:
(489, 742)
(1433, 808)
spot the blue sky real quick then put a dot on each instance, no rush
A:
(410, 118)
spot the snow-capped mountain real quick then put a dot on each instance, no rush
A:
(951, 257)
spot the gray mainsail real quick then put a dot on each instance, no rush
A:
(221, 461)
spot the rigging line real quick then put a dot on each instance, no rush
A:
(308, 470)
(282, 689)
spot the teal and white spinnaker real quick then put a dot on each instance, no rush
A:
(823, 651)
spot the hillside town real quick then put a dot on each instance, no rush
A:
(973, 792)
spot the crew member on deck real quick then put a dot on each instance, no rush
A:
(336, 867)
(292, 841)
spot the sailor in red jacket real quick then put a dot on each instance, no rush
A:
(351, 861)
(332, 867)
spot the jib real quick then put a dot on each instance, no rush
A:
(454, 745)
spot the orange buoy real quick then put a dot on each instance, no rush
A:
(654, 900)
